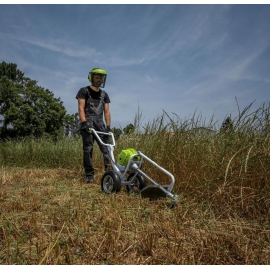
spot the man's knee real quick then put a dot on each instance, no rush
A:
(87, 149)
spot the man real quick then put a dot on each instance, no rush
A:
(93, 104)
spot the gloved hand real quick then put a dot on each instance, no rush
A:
(85, 126)
(108, 129)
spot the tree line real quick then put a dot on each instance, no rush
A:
(29, 110)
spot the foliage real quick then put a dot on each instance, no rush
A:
(117, 132)
(72, 125)
(11, 72)
(129, 129)
(28, 109)
(227, 125)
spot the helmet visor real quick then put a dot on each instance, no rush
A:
(98, 80)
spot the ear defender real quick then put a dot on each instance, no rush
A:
(90, 77)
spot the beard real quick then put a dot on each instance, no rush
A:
(97, 84)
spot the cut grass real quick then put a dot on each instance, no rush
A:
(52, 217)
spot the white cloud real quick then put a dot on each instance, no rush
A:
(62, 46)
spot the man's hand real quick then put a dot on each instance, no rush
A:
(86, 126)
(108, 129)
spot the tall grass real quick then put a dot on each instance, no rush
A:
(231, 168)
(49, 216)
(41, 153)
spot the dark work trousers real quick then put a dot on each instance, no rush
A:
(88, 140)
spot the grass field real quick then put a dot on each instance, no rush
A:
(50, 216)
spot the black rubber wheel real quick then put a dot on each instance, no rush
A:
(110, 182)
(137, 184)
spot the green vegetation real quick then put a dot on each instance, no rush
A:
(27, 109)
(49, 216)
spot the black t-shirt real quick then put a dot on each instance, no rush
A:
(94, 94)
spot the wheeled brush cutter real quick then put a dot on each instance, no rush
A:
(129, 163)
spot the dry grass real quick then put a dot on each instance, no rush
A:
(50, 216)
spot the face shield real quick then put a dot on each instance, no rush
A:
(98, 80)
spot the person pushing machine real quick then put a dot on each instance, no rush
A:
(93, 107)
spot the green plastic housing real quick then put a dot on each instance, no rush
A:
(125, 156)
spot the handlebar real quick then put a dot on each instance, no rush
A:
(103, 133)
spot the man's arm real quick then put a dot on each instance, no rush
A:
(107, 114)
(81, 106)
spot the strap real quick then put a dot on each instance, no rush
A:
(101, 102)
(102, 94)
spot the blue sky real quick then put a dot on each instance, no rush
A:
(178, 58)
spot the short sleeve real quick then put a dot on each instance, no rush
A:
(107, 98)
(81, 93)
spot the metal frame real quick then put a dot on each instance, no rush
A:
(134, 166)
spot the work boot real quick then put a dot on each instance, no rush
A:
(89, 180)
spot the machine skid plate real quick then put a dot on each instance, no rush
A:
(152, 192)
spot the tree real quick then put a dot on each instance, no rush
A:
(26, 108)
(117, 133)
(129, 129)
(10, 70)
(72, 125)
(227, 125)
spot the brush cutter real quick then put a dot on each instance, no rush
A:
(129, 163)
